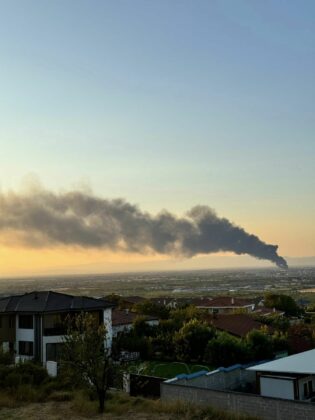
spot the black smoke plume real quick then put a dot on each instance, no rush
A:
(43, 218)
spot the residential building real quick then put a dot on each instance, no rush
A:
(238, 325)
(226, 305)
(168, 302)
(33, 325)
(268, 312)
(123, 319)
(291, 377)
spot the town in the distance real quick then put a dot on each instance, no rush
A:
(240, 340)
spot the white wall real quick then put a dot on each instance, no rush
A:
(121, 328)
(23, 334)
(108, 325)
(277, 388)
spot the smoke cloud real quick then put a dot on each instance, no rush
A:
(43, 218)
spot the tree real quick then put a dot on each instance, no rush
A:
(182, 315)
(190, 341)
(151, 308)
(86, 354)
(260, 345)
(226, 350)
(283, 303)
(301, 337)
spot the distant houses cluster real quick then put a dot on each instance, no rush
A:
(32, 325)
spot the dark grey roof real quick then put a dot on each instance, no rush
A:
(50, 302)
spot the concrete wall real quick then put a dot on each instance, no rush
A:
(236, 402)
(221, 379)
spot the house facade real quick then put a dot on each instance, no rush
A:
(291, 378)
(33, 325)
(226, 305)
(123, 319)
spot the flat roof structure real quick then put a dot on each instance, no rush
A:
(301, 363)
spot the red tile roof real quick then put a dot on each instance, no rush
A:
(238, 324)
(125, 317)
(203, 301)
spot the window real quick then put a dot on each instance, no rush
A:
(26, 348)
(11, 321)
(310, 387)
(55, 324)
(26, 321)
(53, 351)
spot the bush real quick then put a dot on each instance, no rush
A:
(260, 345)
(190, 341)
(226, 350)
(83, 405)
(61, 396)
(32, 373)
(6, 358)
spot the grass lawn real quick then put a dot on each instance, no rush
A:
(166, 369)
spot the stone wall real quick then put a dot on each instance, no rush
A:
(236, 402)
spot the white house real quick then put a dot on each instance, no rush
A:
(123, 319)
(291, 378)
(32, 326)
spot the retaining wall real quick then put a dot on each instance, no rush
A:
(236, 402)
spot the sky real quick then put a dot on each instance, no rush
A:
(167, 104)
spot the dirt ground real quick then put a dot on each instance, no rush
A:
(63, 411)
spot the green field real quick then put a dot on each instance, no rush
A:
(166, 369)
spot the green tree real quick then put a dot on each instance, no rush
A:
(141, 327)
(301, 337)
(280, 341)
(86, 354)
(190, 341)
(226, 350)
(182, 315)
(283, 303)
(151, 308)
(259, 345)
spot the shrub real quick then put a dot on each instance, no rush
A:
(226, 350)
(83, 405)
(61, 396)
(32, 373)
(6, 358)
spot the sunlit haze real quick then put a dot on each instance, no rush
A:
(167, 105)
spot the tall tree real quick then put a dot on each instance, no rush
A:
(86, 354)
